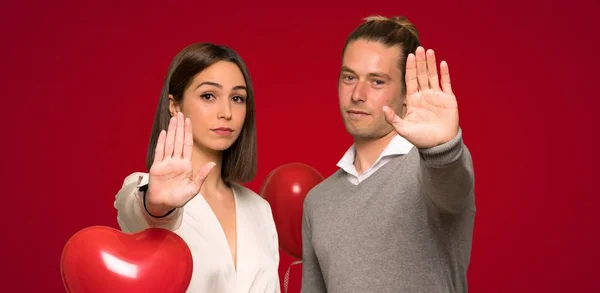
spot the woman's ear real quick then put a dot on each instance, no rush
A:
(173, 106)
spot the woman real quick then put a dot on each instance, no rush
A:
(202, 147)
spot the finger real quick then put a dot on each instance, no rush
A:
(170, 140)
(410, 76)
(445, 73)
(177, 152)
(188, 141)
(203, 173)
(159, 150)
(422, 77)
(394, 120)
(432, 70)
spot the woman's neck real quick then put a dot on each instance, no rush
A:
(214, 181)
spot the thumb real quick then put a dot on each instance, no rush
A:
(203, 173)
(394, 119)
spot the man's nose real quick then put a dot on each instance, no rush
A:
(359, 93)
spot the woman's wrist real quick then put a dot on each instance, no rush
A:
(154, 210)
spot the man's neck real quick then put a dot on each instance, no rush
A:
(367, 151)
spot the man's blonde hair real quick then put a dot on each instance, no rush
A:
(393, 31)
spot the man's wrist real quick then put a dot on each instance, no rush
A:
(445, 153)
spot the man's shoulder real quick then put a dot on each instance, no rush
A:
(324, 187)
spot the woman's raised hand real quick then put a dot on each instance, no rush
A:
(172, 182)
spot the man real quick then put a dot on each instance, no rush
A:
(398, 215)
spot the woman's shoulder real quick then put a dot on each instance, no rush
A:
(256, 205)
(248, 194)
(250, 197)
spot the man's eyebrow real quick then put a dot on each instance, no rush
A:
(380, 75)
(347, 69)
(372, 74)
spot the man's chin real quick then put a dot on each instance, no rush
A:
(358, 132)
(366, 133)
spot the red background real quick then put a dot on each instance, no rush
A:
(81, 80)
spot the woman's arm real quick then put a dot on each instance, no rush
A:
(173, 183)
(131, 214)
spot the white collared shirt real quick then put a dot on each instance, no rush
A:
(397, 146)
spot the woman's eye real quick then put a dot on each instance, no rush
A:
(238, 99)
(207, 96)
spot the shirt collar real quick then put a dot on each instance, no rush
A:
(397, 146)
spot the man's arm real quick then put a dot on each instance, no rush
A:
(131, 215)
(446, 175)
(312, 278)
(431, 124)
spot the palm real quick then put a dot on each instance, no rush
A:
(432, 111)
(172, 182)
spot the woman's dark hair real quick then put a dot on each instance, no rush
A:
(239, 161)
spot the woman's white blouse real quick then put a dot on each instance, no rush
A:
(214, 272)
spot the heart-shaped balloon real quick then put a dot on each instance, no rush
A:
(102, 259)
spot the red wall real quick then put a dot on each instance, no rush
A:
(81, 81)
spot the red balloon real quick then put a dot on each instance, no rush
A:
(285, 189)
(102, 259)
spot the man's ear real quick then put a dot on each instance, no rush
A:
(173, 106)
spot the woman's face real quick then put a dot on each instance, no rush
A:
(215, 102)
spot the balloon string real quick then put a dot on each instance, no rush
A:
(286, 278)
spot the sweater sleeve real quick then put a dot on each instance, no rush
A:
(131, 215)
(446, 175)
(312, 277)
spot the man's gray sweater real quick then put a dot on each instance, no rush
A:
(406, 228)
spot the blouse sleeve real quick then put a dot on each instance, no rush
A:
(131, 215)
(275, 244)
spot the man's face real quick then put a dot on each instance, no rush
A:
(369, 79)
